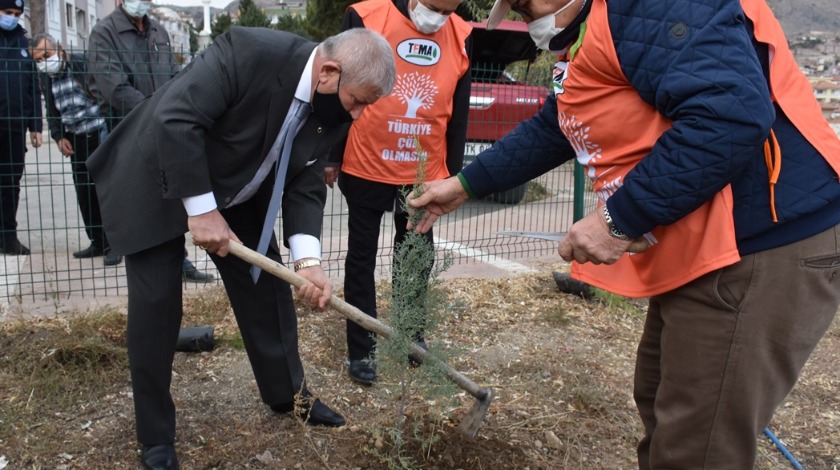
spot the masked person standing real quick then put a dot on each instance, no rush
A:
(432, 94)
(20, 110)
(76, 126)
(714, 167)
(129, 57)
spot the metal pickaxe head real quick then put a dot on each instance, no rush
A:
(471, 421)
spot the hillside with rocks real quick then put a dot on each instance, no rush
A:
(799, 17)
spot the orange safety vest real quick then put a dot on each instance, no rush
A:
(381, 143)
(703, 240)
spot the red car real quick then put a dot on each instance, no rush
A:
(498, 102)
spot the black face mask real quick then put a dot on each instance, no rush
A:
(328, 108)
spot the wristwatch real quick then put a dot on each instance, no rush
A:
(615, 232)
(307, 263)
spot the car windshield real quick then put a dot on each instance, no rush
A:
(494, 51)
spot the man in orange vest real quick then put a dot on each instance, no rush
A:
(717, 182)
(429, 107)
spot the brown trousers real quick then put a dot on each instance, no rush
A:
(719, 355)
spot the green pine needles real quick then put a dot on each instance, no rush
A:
(417, 311)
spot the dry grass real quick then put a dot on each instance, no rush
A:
(561, 367)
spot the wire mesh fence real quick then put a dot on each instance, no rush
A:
(47, 217)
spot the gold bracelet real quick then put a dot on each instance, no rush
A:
(307, 263)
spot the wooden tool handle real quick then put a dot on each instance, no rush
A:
(353, 314)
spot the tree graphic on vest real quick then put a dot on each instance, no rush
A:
(577, 133)
(417, 90)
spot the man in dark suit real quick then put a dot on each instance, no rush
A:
(189, 158)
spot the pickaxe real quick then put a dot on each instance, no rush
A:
(469, 423)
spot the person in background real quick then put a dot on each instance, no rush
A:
(717, 181)
(20, 111)
(76, 126)
(372, 175)
(203, 154)
(129, 57)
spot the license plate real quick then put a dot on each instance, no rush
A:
(474, 148)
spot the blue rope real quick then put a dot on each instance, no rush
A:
(782, 449)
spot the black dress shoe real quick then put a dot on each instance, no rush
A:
(413, 360)
(319, 414)
(192, 274)
(14, 247)
(111, 258)
(159, 457)
(313, 412)
(361, 371)
(90, 252)
(567, 285)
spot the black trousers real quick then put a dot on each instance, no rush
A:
(359, 266)
(265, 313)
(12, 153)
(83, 146)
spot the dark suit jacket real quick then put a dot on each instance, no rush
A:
(209, 129)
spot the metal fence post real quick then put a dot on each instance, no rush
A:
(580, 187)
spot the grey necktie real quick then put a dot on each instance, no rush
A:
(284, 141)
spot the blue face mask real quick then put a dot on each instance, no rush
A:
(137, 8)
(9, 22)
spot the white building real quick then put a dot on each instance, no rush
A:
(70, 21)
(827, 90)
(177, 26)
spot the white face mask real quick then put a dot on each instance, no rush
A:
(425, 20)
(136, 8)
(50, 65)
(542, 30)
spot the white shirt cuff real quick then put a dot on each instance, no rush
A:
(197, 205)
(304, 246)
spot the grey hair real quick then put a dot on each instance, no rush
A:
(42, 37)
(365, 56)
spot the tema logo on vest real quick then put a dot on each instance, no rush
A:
(419, 51)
